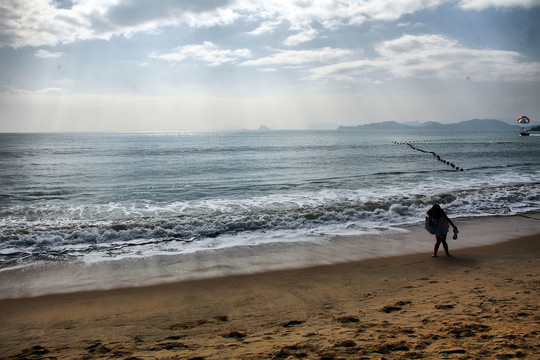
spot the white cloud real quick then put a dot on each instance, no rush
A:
(50, 90)
(299, 57)
(36, 23)
(437, 56)
(348, 71)
(27, 93)
(45, 54)
(482, 4)
(266, 27)
(302, 16)
(434, 56)
(207, 52)
(301, 37)
(410, 26)
(41, 22)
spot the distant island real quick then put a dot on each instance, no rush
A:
(468, 125)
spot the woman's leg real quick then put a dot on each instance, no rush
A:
(445, 245)
(437, 244)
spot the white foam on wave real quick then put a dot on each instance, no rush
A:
(145, 228)
(247, 257)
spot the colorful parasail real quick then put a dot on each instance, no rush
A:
(523, 120)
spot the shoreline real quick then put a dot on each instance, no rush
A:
(483, 303)
(71, 277)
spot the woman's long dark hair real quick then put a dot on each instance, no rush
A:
(436, 212)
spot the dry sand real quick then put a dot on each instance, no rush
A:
(481, 304)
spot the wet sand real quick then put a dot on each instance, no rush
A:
(482, 303)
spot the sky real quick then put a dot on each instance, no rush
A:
(205, 65)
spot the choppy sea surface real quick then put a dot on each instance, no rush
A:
(93, 197)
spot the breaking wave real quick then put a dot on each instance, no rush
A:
(48, 232)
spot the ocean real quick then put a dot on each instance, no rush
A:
(91, 198)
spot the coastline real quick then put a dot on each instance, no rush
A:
(483, 303)
(66, 277)
(74, 276)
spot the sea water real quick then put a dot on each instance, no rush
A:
(94, 197)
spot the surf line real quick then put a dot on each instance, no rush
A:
(452, 165)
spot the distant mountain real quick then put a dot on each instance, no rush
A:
(482, 125)
(413, 123)
(264, 128)
(385, 125)
(468, 125)
(432, 125)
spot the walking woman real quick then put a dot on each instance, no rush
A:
(438, 217)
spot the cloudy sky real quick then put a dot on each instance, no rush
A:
(100, 65)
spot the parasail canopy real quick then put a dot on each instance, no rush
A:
(523, 120)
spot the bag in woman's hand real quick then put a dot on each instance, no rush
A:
(430, 226)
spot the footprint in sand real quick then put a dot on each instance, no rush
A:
(222, 318)
(346, 344)
(397, 307)
(444, 306)
(33, 351)
(235, 335)
(347, 319)
(188, 324)
(98, 348)
(168, 346)
(292, 323)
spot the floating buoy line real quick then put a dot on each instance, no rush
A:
(452, 165)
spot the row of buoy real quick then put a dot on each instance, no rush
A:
(432, 140)
(457, 168)
(443, 140)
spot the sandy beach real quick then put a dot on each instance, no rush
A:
(480, 304)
